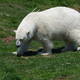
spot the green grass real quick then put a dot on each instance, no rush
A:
(56, 67)
(64, 66)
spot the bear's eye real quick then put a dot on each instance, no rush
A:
(21, 40)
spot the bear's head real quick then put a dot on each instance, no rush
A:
(22, 41)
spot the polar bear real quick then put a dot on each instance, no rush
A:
(58, 23)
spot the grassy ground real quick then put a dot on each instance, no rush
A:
(64, 66)
(56, 67)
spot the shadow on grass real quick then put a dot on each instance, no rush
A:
(31, 53)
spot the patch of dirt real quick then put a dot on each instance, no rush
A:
(65, 77)
(8, 39)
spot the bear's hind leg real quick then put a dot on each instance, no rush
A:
(70, 46)
(78, 45)
(75, 37)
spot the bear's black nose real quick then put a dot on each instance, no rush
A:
(17, 46)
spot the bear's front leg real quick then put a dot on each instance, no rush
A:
(48, 46)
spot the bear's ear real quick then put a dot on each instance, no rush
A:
(14, 31)
(28, 35)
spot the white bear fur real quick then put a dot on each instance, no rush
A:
(59, 23)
